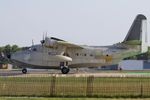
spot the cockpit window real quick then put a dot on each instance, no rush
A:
(34, 49)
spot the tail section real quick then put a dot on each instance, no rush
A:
(137, 33)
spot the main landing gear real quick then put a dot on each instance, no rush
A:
(64, 67)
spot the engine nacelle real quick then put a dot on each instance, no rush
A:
(49, 42)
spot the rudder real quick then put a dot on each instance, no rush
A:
(137, 34)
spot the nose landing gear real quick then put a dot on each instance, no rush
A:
(24, 70)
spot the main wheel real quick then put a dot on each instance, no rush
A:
(65, 70)
(24, 70)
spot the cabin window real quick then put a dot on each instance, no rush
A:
(77, 54)
(84, 54)
(66, 54)
(91, 55)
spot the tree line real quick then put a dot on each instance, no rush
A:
(8, 49)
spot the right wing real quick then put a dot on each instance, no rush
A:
(52, 42)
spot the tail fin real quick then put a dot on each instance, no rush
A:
(137, 33)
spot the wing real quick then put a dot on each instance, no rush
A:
(69, 45)
(52, 42)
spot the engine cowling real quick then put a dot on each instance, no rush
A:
(49, 42)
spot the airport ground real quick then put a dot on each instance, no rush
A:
(74, 73)
(55, 86)
(41, 98)
(47, 83)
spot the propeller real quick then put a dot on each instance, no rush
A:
(43, 40)
(2, 54)
(8, 56)
(5, 57)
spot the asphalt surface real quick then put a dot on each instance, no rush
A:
(74, 72)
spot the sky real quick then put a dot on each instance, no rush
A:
(84, 22)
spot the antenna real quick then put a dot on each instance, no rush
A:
(43, 36)
(46, 34)
(32, 42)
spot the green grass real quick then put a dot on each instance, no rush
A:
(35, 98)
(74, 87)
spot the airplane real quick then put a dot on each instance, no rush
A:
(54, 53)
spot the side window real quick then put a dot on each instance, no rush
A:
(77, 54)
(91, 55)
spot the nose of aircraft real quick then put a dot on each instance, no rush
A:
(19, 56)
(13, 57)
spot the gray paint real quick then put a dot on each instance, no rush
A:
(134, 32)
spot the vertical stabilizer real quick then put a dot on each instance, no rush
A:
(137, 33)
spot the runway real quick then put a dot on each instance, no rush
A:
(73, 73)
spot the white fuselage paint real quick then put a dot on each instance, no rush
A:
(144, 46)
(39, 55)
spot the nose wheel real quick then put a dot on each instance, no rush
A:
(24, 70)
(65, 70)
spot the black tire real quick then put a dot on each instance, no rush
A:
(65, 70)
(24, 71)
